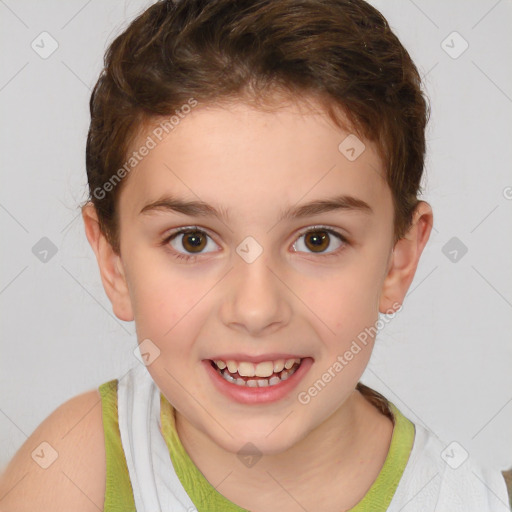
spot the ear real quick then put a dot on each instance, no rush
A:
(404, 259)
(110, 265)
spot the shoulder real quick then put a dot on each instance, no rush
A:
(444, 474)
(61, 466)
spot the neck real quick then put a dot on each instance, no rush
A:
(340, 459)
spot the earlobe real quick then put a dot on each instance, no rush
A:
(110, 265)
(404, 259)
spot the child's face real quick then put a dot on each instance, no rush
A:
(253, 166)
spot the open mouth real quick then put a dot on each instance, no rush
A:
(257, 381)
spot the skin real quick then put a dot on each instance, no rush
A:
(255, 164)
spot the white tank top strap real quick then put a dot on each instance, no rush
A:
(156, 486)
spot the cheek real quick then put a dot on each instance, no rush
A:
(164, 300)
(344, 302)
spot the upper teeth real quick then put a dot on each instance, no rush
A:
(263, 369)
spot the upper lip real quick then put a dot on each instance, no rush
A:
(256, 359)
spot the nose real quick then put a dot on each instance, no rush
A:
(256, 300)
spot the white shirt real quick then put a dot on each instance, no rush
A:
(428, 484)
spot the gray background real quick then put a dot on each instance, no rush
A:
(445, 360)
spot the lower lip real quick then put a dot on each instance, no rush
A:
(267, 394)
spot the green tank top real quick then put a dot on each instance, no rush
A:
(119, 494)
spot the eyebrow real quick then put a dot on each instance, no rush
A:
(202, 209)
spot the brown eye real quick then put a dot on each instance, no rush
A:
(319, 240)
(193, 241)
(189, 242)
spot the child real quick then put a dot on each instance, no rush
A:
(254, 170)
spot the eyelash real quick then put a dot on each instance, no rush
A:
(193, 257)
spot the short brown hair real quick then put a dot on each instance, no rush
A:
(342, 52)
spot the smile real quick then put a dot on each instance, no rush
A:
(261, 375)
(253, 389)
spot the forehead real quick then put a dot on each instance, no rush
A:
(252, 161)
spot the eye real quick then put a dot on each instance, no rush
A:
(319, 238)
(192, 239)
